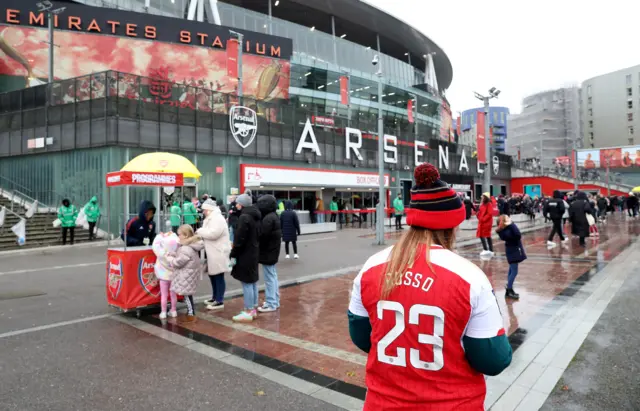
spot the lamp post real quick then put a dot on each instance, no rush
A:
(493, 93)
(239, 37)
(47, 7)
(381, 193)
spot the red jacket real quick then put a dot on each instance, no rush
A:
(485, 220)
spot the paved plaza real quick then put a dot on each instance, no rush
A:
(573, 332)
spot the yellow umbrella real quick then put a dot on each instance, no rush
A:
(636, 189)
(163, 163)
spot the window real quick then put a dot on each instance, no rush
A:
(630, 128)
(629, 104)
(589, 90)
(589, 100)
(629, 92)
(629, 116)
(591, 135)
(590, 111)
(631, 140)
(628, 79)
(590, 123)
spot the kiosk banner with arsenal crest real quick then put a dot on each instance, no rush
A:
(131, 282)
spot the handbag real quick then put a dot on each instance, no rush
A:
(591, 220)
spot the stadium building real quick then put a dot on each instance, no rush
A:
(162, 75)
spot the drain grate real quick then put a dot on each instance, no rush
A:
(16, 295)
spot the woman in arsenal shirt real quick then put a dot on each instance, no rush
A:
(427, 317)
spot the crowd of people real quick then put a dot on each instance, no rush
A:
(236, 238)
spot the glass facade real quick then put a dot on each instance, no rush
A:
(327, 58)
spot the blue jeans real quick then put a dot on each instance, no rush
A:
(218, 287)
(250, 295)
(231, 234)
(320, 218)
(511, 277)
(272, 289)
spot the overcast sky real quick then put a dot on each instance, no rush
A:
(530, 46)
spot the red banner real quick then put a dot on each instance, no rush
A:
(344, 90)
(458, 125)
(610, 157)
(232, 58)
(323, 121)
(480, 138)
(132, 178)
(410, 110)
(573, 163)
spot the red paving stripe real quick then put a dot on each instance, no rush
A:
(303, 359)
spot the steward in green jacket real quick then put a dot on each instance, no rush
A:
(176, 212)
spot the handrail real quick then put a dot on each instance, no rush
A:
(547, 172)
(14, 183)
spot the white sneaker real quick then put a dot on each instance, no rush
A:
(296, 256)
(266, 309)
(566, 239)
(484, 253)
(551, 244)
(163, 316)
(286, 257)
(491, 254)
(173, 314)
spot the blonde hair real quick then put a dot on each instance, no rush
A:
(405, 253)
(187, 230)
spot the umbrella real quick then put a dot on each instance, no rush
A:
(163, 163)
(636, 189)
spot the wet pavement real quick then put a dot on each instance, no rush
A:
(308, 338)
(54, 324)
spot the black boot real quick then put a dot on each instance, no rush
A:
(511, 294)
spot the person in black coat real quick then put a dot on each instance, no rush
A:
(270, 243)
(290, 229)
(603, 206)
(554, 210)
(509, 233)
(245, 255)
(632, 205)
(578, 211)
(232, 217)
(468, 207)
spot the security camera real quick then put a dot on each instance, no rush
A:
(375, 60)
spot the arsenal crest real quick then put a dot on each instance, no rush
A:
(147, 276)
(114, 276)
(243, 123)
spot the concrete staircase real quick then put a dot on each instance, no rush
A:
(40, 230)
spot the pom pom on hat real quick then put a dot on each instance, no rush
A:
(426, 175)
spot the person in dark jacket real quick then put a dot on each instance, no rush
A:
(270, 243)
(503, 206)
(554, 210)
(222, 208)
(578, 211)
(509, 233)
(290, 229)
(632, 205)
(468, 207)
(232, 219)
(245, 256)
(141, 229)
(602, 207)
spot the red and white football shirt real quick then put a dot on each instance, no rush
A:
(417, 361)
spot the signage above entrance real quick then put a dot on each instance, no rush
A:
(102, 20)
(258, 175)
(243, 123)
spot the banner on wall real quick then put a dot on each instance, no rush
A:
(480, 138)
(93, 39)
(612, 157)
(410, 110)
(232, 58)
(344, 90)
